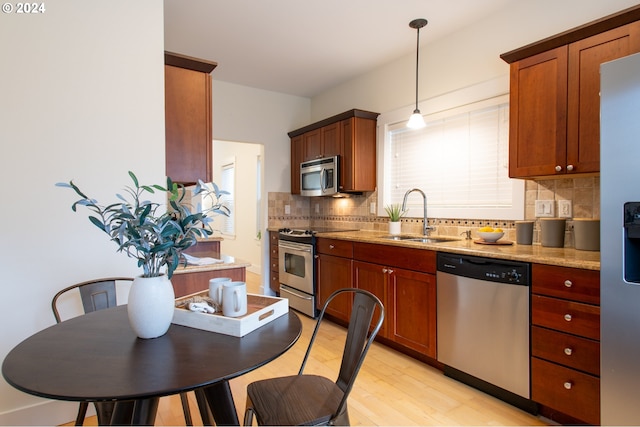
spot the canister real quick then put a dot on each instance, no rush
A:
(552, 232)
(586, 233)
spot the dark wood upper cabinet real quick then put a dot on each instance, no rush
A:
(188, 118)
(350, 135)
(555, 96)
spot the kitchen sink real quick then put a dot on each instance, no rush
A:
(425, 239)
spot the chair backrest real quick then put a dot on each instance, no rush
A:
(95, 294)
(360, 336)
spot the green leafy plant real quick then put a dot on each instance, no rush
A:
(154, 234)
(394, 211)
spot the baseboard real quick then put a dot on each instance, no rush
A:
(46, 413)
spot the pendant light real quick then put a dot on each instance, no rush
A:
(416, 121)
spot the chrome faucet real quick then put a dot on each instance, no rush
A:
(425, 227)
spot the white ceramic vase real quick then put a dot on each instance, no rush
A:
(151, 305)
(395, 227)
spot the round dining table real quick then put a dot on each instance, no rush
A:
(98, 358)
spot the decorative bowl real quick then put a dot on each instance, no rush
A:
(490, 237)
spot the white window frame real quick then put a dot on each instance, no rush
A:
(451, 103)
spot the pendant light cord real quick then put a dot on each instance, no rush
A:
(417, 60)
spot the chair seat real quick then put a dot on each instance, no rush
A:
(294, 400)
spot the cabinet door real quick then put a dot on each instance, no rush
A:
(358, 162)
(538, 114)
(297, 157)
(585, 57)
(412, 310)
(331, 142)
(188, 125)
(334, 273)
(312, 142)
(373, 278)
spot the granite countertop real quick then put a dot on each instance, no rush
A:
(564, 257)
(228, 262)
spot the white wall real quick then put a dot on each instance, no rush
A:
(82, 98)
(262, 117)
(245, 244)
(461, 59)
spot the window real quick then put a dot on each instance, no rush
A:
(227, 183)
(460, 160)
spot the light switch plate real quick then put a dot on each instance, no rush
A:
(564, 208)
(544, 208)
(287, 209)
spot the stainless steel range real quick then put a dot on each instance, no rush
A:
(296, 249)
(297, 268)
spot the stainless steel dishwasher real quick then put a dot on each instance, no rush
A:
(483, 325)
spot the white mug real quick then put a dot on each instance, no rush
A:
(234, 299)
(215, 289)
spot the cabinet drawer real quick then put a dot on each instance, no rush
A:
(568, 283)
(569, 391)
(568, 350)
(396, 256)
(566, 316)
(341, 248)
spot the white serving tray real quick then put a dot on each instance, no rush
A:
(261, 309)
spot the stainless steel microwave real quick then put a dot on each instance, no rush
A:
(320, 177)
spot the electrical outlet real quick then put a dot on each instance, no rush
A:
(287, 209)
(372, 208)
(544, 208)
(564, 208)
(317, 207)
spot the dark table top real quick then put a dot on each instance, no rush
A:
(97, 357)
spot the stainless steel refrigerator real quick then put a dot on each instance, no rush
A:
(620, 241)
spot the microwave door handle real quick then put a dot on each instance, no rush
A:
(323, 186)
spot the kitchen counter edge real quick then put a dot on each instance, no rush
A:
(563, 257)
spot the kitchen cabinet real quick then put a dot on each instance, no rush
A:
(350, 135)
(555, 99)
(334, 271)
(565, 340)
(404, 280)
(188, 128)
(274, 267)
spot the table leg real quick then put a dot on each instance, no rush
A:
(203, 406)
(221, 403)
(104, 412)
(135, 412)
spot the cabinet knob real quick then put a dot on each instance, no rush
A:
(568, 283)
(331, 247)
(567, 317)
(390, 271)
(558, 168)
(384, 269)
(569, 168)
(568, 385)
(568, 351)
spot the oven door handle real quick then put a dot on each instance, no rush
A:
(298, 294)
(294, 246)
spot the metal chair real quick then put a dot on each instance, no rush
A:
(97, 295)
(305, 399)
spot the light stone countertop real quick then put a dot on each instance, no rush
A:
(564, 257)
(228, 263)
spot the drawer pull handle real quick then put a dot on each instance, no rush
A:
(331, 247)
(568, 385)
(567, 317)
(568, 283)
(568, 351)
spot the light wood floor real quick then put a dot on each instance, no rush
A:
(391, 389)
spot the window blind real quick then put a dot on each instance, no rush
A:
(460, 159)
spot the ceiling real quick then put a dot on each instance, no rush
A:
(303, 47)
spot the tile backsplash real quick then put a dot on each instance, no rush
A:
(287, 210)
